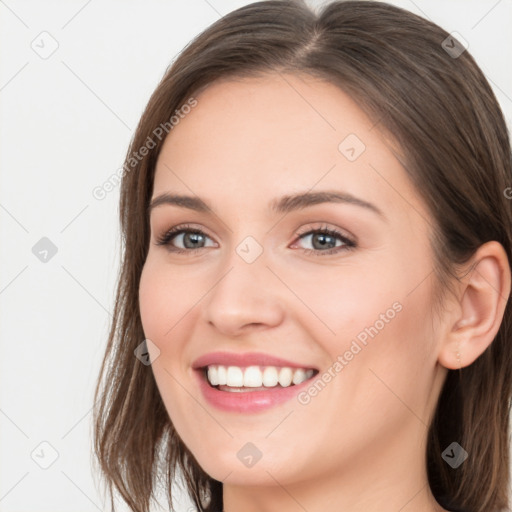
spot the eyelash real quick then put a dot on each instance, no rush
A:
(169, 235)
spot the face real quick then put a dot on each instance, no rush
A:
(338, 287)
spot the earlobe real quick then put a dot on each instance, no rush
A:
(484, 293)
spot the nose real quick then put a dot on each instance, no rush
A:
(247, 296)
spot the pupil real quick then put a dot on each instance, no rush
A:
(194, 238)
(323, 239)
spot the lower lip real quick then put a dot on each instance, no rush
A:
(248, 401)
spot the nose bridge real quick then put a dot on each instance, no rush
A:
(247, 293)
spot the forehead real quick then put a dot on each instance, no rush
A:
(270, 112)
(255, 138)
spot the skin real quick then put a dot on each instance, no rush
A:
(359, 444)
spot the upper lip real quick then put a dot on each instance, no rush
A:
(245, 359)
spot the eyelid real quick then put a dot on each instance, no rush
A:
(326, 228)
(178, 229)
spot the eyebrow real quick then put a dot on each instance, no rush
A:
(285, 204)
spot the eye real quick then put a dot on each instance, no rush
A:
(325, 241)
(190, 238)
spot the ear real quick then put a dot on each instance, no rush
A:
(483, 294)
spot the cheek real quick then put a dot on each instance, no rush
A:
(165, 309)
(152, 297)
(165, 297)
(379, 318)
(397, 356)
(341, 302)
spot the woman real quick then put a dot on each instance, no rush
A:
(317, 266)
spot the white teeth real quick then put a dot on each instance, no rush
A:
(270, 378)
(235, 376)
(285, 377)
(299, 376)
(221, 375)
(252, 377)
(256, 376)
(213, 375)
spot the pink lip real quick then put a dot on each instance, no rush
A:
(244, 360)
(247, 401)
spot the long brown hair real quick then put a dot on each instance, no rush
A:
(440, 110)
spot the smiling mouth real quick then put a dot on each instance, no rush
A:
(255, 378)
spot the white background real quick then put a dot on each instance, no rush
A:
(66, 122)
